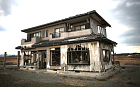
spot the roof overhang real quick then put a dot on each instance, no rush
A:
(72, 41)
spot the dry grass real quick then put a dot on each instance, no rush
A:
(128, 60)
(9, 59)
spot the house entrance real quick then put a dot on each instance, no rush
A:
(55, 56)
(41, 59)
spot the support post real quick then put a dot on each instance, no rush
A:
(4, 61)
(113, 58)
(18, 58)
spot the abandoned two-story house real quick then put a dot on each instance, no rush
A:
(76, 43)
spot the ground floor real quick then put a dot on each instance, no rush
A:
(85, 56)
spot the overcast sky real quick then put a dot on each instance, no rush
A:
(123, 15)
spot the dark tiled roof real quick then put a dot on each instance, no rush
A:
(72, 41)
(80, 15)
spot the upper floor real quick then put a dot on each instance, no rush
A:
(90, 23)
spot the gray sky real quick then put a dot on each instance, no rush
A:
(123, 15)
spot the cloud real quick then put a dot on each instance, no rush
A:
(6, 6)
(127, 13)
(2, 28)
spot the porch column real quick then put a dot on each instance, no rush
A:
(37, 59)
(41, 60)
(22, 59)
(48, 58)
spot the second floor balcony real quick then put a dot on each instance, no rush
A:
(32, 41)
(63, 35)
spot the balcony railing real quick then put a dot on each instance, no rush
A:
(62, 35)
(32, 41)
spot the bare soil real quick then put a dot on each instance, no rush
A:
(128, 77)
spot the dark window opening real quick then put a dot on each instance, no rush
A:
(106, 55)
(87, 25)
(78, 55)
(30, 36)
(46, 33)
(82, 27)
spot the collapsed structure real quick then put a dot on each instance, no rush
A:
(76, 43)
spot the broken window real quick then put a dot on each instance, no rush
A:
(78, 55)
(106, 55)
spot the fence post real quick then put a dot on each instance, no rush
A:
(4, 61)
(18, 58)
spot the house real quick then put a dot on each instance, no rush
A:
(75, 43)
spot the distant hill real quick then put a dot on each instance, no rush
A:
(2, 55)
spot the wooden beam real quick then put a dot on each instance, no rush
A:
(18, 58)
(4, 62)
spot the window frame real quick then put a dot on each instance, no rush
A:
(106, 55)
(59, 32)
(70, 52)
(80, 27)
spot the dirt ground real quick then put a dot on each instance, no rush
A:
(129, 76)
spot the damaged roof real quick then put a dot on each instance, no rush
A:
(47, 43)
(72, 41)
(65, 20)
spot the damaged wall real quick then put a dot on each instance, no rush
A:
(109, 48)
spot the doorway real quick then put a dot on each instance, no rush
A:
(55, 57)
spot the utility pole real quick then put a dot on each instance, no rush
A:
(4, 61)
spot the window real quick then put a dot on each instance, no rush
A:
(106, 55)
(101, 30)
(78, 55)
(29, 36)
(80, 27)
(43, 34)
(58, 32)
(46, 33)
(87, 26)
(77, 28)
(37, 34)
(61, 29)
